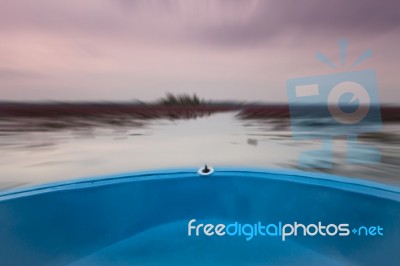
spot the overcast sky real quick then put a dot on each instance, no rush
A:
(219, 49)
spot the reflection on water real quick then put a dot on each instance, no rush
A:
(38, 150)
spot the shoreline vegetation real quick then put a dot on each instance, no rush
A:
(182, 106)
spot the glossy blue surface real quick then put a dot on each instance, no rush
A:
(141, 219)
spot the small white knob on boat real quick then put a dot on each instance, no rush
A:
(206, 170)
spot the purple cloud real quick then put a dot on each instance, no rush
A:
(145, 47)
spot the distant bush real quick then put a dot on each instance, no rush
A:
(182, 99)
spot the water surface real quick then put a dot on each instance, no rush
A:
(40, 150)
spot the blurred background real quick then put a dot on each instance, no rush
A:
(83, 84)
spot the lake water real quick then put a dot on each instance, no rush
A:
(33, 153)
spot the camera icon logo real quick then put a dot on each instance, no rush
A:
(343, 104)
